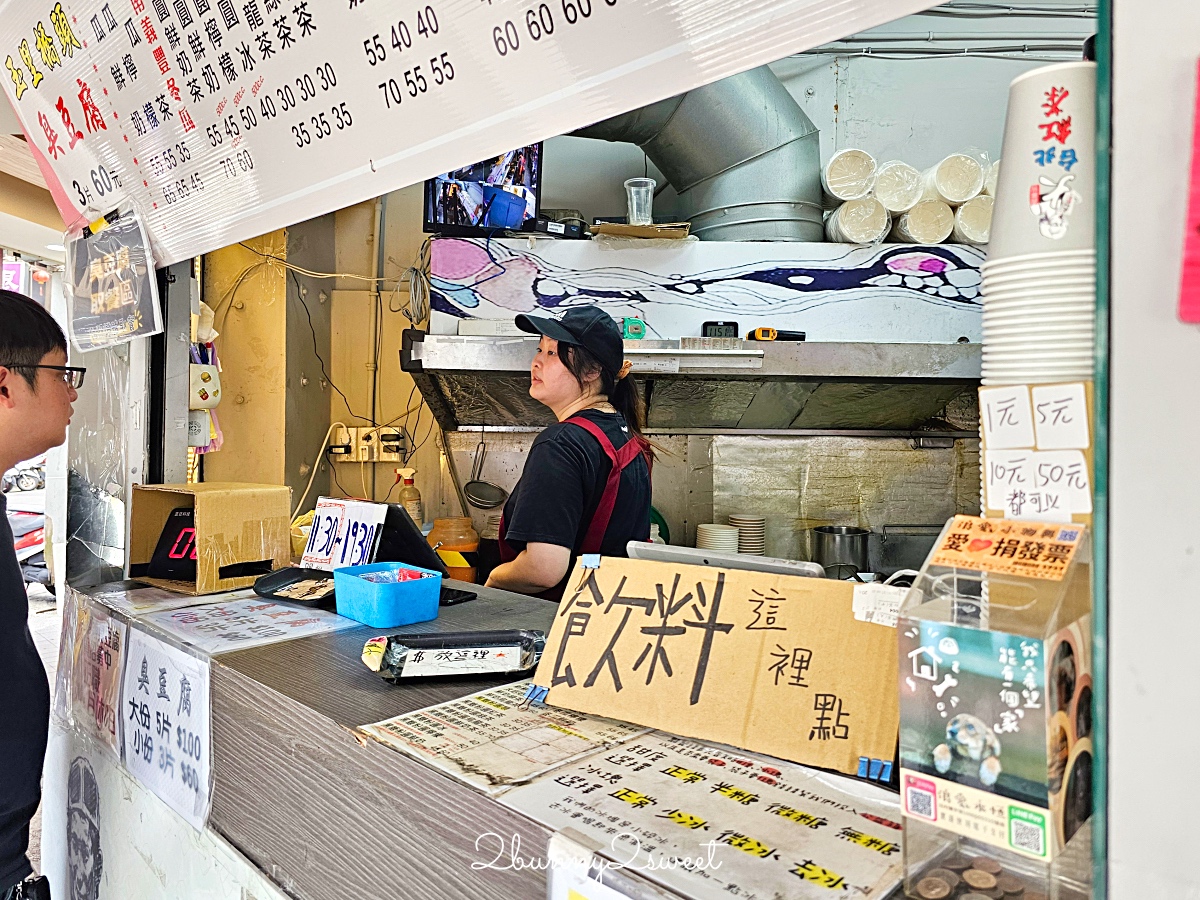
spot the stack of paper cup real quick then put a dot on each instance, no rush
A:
(849, 174)
(862, 221)
(929, 222)
(898, 186)
(973, 221)
(989, 180)
(752, 533)
(717, 537)
(1039, 280)
(956, 179)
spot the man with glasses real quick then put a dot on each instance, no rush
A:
(37, 388)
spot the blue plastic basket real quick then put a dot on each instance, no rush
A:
(386, 605)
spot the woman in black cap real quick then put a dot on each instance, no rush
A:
(586, 483)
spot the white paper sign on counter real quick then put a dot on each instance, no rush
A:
(344, 533)
(1060, 417)
(710, 822)
(225, 119)
(1006, 417)
(165, 719)
(220, 627)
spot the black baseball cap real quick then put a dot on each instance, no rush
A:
(584, 326)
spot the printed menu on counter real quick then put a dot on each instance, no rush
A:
(495, 739)
(712, 822)
(165, 724)
(220, 627)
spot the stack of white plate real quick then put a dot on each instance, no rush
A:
(1039, 281)
(752, 533)
(717, 537)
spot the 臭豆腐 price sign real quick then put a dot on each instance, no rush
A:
(165, 718)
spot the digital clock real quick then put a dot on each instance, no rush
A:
(719, 329)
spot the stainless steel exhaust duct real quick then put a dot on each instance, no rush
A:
(741, 153)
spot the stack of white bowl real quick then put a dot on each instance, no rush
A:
(717, 537)
(1039, 280)
(752, 533)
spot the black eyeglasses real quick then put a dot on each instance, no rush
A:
(72, 375)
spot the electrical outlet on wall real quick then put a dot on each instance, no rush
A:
(391, 445)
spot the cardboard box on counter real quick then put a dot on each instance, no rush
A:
(241, 532)
(772, 663)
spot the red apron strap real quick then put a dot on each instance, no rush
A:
(608, 500)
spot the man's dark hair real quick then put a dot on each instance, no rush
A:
(27, 333)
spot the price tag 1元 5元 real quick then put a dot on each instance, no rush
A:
(344, 533)
(1006, 416)
(1060, 417)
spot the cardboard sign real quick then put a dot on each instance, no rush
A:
(344, 533)
(165, 723)
(773, 663)
(1006, 547)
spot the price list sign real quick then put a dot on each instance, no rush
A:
(165, 720)
(223, 119)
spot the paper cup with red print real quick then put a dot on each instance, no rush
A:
(1046, 192)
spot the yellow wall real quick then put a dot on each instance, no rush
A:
(354, 311)
(253, 330)
(252, 325)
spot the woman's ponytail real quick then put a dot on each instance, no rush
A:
(622, 393)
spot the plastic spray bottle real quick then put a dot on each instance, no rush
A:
(410, 497)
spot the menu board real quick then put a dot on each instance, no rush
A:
(223, 119)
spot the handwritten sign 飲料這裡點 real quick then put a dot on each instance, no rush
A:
(773, 663)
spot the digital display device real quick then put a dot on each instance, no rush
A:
(498, 194)
(719, 329)
(174, 556)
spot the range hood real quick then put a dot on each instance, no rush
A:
(483, 381)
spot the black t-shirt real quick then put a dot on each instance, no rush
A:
(561, 486)
(24, 715)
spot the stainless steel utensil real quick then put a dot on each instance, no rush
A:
(483, 494)
(841, 548)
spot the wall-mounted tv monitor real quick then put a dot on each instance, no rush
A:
(498, 194)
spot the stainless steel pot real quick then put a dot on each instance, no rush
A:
(841, 549)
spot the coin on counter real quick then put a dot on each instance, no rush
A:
(973, 896)
(946, 875)
(932, 889)
(994, 894)
(957, 863)
(979, 880)
(1011, 885)
(986, 864)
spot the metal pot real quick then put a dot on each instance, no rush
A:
(841, 549)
